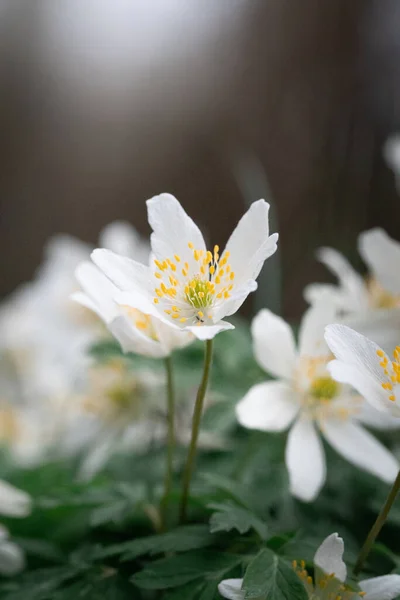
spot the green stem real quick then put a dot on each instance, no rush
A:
(197, 413)
(377, 526)
(170, 441)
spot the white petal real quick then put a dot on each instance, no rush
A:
(273, 344)
(133, 340)
(361, 448)
(12, 559)
(122, 238)
(312, 326)
(365, 385)
(313, 293)
(84, 300)
(125, 273)
(250, 243)
(208, 332)
(386, 587)
(358, 365)
(173, 230)
(269, 406)
(329, 557)
(377, 419)
(232, 305)
(305, 460)
(382, 255)
(171, 338)
(99, 290)
(14, 502)
(382, 326)
(142, 302)
(352, 286)
(231, 589)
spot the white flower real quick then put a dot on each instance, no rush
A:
(329, 578)
(42, 330)
(187, 286)
(354, 294)
(306, 397)
(13, 503)
(12, 559)
(364, 365)
(369, 305)
(135, 331)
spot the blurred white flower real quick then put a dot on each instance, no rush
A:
(12, 559)
(187, 286)
(354, 294)
(370, 305)
(126, 411)
(135, 331)
(364, 365)
(13, 503)
(329, 579)
(306, 398)
(42, 331)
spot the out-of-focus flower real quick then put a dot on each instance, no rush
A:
(187, 286)
(354, 294)
(369, 305)
(42, 331)
(364, 365)
(12, 559)
(135, 331)
(124, 410)
(306, 398)
(13, 503)
(329, 579)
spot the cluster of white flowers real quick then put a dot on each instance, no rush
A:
(158, 297)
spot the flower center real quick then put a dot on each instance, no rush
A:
(324, 587)
(190, 289)
(391, 369)
(199, 293)
(324, 388)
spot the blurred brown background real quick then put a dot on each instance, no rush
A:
(105, 103)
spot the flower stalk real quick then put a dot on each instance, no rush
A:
(377, 526)
(170, 441)
(197, 414)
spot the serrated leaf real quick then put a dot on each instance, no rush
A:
(230, 516)
(182, 539)
(268, 577)
(178, 570)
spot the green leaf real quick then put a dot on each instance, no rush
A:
(178, 570)
(232, 489)
(268, 577)
(41, 584)
(230, 516)
(182, 539)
